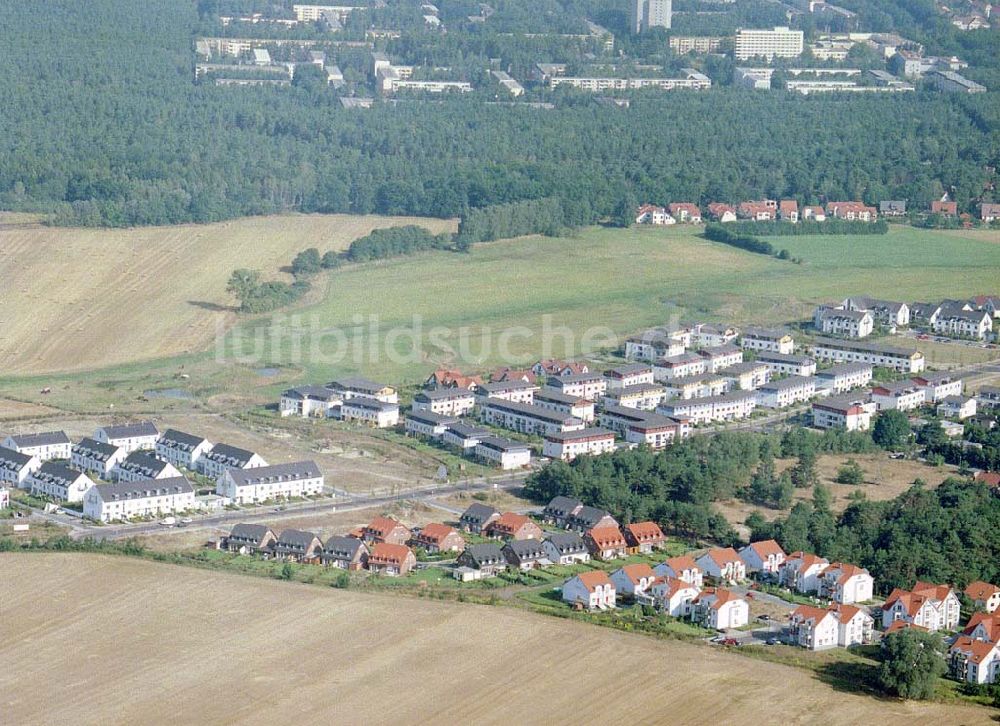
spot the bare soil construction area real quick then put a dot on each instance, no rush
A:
(100, 640)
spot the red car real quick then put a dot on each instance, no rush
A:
(731, 642)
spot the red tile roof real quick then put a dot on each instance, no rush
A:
(723, 555)
(989, 478)
(646, 531)
(721, 596)
(638, 572)
(980, 590)
(606, 537)
(767, 547)
(990, 623)
(681, 563)
(435, 533)
(383, 525)
(388, 554)
(594, 579)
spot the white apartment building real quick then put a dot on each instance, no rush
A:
(779, 42)
(130, 437)
(356, 387)
(656, 343)
(976, 324)
(727, 407)
(848, 323)
(266, 483)
(377, 414)
(527, 418)
(445, 401)
(591, 386)
(645, 396)
(182, 450)
(551, 398)
(567, 445)
(721, 357)
(425, 423)
(308, 401)
(848, 413)
(503, 453)
(696, 387)
(786, 392)
(781, 364)
(223, 456)
(901, 396)
(47, 445)
(938, 385)
(903, 360)
(96, 457)
(513, 390)
(630, 374)
(59, 482)
(684, 365)
(125, 500)
(844, 377)
(774, 341)
(646, 14)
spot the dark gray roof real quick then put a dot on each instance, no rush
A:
(768, 356)
(443, 394)
(525, 549)
(342, 547)
(229, 455)
(786, 383)
(567, 542)
(466, 431)
(142, 462)
(477, 513)
(356, 383)
(589, 516)
(498, 444)
(528, 409)
(843, 369)
(249, 532)
(144, 488)
(275, 473)
(558, 381)
(484, 554)
(746, 366)
(764, 333)
(95, 449)
(130, 430)
(861, 346)
(294, 539)
(560, 506)
(371, 404)
(577, 435)
(179, 440)
(500, 386)
(11, 459)
(628, 369)
(52, 471)
(434, 419)
(43, 438)
(547, 393)
(319, 393)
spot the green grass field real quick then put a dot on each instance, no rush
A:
(606, 283)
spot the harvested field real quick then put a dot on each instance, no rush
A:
(158, 644)
(83, 298)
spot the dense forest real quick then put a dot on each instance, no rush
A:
(105, 127)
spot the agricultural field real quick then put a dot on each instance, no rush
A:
(314, 655)
(77, 299)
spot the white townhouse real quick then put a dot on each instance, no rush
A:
(846, 584)
(464, 437)
(769, 340)
(747, 376)
(787, 365)
(527, 418)
(590, 590)
(764, 556)
(721, 357)
(503, 453)
(58, 481)
(141, 465)
(849, 412)
(975, 661)
(182, 450)
(356, 387)
(701, 386)
(977, 324)
(125, 500)
(630, 374)
(838, 626)
(655, 344)
(720, 609)
(848, 323)
(96, 457)
(709, 336)
(445, 401)
(682, 567)
(130, 437)
(938, 385)
(369, 411)
(567, 445)
(887, 312)
(671, 596)
(224, 456)
(844, 377)
(723, 563)
(643, 396)
(591, 386)
(904, 360)
(684, 365)
(935, 607)
(515, 390)
(786, 391)
(581, 408)
(899, 396)
(309, 402)
(727, 407)
(800, 571)
(656, 431)
(429, 425)
(266, 483)
(631, 580)
(46, 445)
(15, 467)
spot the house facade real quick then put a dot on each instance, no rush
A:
(566, 446)
(96, 457)
(223, 456)
(766, 339)
(267, 483)
(392, 560)
(445, 401)
(46, 446)
(566, 548)
(935, 607)
(723, 564)
(182, 450)
(849, 413)
(720, 609)
(764, 556)
(16, 468)
(57, 481)
(130, 437)
(125, 500)
(590, 591)
(682, 568)
(846, 584)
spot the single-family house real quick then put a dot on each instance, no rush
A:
(590, 591)
(721, 212)
(451, 378)
(511, 525)
(975, 661)
(685, 212)
(385, 529)
(644, 536)
(250, 539)
(651, 214)
(393, 560)
(764, 556)
(720, 609)
(724, 564)
(587, 518)
(682, 567)
(788, 210)
(814, 213)
(892, 208)
(486, 560)
(559, 509)
(476, 518)
(346, 553)
(436, 537)
(989, 212)
(670, 596)
(846, 584)
(565, 548)
(46, 445)
(800, 571)
(606, 543)
(935, 607)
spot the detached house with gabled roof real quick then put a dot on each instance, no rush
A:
(96, 457)
(631, 580)
(644, 536)
(250, 539)
(823, 628)
(566, 548)
(223, 456)
(935, 607)
(130, 436)
(683, 568)
(15, 467)
(59, 482)
(560, 509)
(436, 537)
(846, 584)
(590, 591)
(983, 626)
(720, 609)
(385, 529)
(485, 560)
(141, 465)
(724, 564)
(606, 543)
(477, 517)
(984, 596)
(975, 661)
(391, 559)
(670, 596)
(511, 525)
(345, 553)
(587, 518)
(764, 556)
(46, 445)
(525, 554)
(266, 483)
(800, 571)
(181, 449)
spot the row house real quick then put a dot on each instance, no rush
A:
(782, 364)
(309, 402)
(140, 465)
(727, 407)
(591, 386)
(670, 596)
(655, 343)
(720, 609)
(477, 517)
(721, 356)
(296, 545)
(480, 560)
(899, 396)
(644, 537)
(767, 339)
(560, 509)
(724, 564)
(682, 567)
(224, 456)
(764, 556)
(904, 360)
(526, 418)
(45, 445)
(851, 211)
(685, 212)
(345, 553)
(428, 425)
(846, 584)
(849, 413)
(590, 591)
(629, 374)
(250, 539)
(643, 427)
(708, 335)
(935, 607)
(57, 481)
(587, 518)
(356, 387)
(977, 324)
(125, 500)
(786, 392)
(392, 560)
(747, 376)
(503, 453)
(847, 323)
(130, 437)
(566, 548)
(844, 377)
(801, 570)
(838, 626)
(684, 365)
(266, 483)
(436, 537)
(938, 385)
(554, 400)
(445, 401)
(516, 390)
(182, 450)
(369, 411)
(701, 386)
(96, 457)
(16, 468)
(643, 396)
(385, 529)
(566, 446)
(606, 542)
(632, 580)
(511, 525)
(525, 554)
(887, 312)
